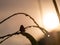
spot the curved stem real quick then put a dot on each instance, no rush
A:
(8, 36)
(56, 7)
(17, 32)
(42, 29)
(31, 38)
(4, 39)
(33, 41)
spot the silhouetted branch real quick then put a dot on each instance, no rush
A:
(31, 26)
(33, 41)
(56, 7)
(8, 36)
(18, 32)
(42, 29)
(31, 38)
(4, 39)
(22, 29)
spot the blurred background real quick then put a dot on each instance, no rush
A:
(44, 13)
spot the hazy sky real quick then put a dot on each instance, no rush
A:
(31, 7)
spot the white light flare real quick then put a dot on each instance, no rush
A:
(50, 20)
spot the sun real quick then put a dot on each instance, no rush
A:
(50, 20)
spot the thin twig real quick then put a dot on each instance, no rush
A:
(8, 36)
(18, 32)
(42, 29)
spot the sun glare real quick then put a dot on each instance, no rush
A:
(50, 20)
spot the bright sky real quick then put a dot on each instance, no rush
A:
(50, 18)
